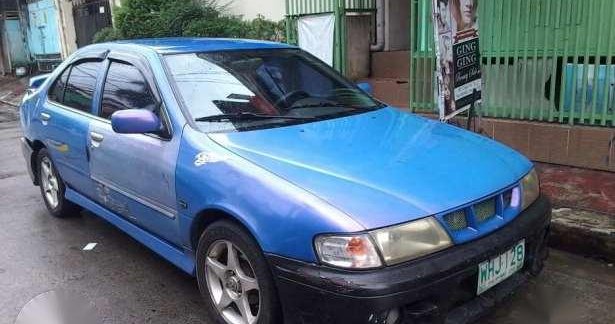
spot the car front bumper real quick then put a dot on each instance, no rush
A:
(438, 288)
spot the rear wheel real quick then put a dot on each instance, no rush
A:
(52, 187)
(234, 277)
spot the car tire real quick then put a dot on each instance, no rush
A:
(52, 187)
(226, 287)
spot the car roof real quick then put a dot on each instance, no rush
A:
(198, 44)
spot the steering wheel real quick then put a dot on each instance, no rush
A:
(292, 97)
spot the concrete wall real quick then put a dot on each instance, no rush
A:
(580, 146)
(357, 44)
(68, 38)
(397, 25)
(114, 4)
(271, 9)
(391, 64)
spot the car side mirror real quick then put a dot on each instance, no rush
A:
(366, 87)
(135, 121)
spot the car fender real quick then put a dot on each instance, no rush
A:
(282, 217)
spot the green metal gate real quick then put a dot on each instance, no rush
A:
(543, 60)
(295, 9)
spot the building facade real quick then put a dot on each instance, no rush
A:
(41, 33)
(250, 9)
(13, 51)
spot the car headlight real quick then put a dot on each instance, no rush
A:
(354, 251)
(411, 240)
(530, 187)
(396, 244)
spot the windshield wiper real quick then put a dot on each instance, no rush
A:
(246, 116)
(329, 104)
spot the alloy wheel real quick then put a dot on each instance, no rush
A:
(49, 182)
(232, 283)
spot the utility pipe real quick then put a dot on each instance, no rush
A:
(379, 45)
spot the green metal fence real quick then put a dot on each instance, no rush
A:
(543, 60)
(295, 9)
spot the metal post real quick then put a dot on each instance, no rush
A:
(287, 19)
(556, 31)
(410, 56)
(609, 54)
(3, 47)
(471, 112)
(343, 38)
(337, 36)
(544, 56)
(597, 50)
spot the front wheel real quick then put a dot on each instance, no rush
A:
(234, 277)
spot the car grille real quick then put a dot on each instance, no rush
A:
(456, 220)
(474, 216)
(484, 210)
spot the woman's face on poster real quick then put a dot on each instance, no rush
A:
(467, 11)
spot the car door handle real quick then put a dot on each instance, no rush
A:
(45, 116)
(96, 137)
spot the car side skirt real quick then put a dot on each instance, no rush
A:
(179, 258)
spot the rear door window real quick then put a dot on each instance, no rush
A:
(81, 86)
(126, 88)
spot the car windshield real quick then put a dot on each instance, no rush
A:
(245, 90)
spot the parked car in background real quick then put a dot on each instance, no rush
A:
(287, 191)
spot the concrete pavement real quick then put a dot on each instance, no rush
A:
(584, 232)
(129, 284)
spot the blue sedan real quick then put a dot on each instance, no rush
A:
(286, 190)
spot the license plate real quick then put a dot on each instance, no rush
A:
(495, 270)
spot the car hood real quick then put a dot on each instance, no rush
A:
(383, 167)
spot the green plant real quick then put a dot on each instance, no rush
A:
(202, 18)
(221, 26)
(261, 28)
(106, 34)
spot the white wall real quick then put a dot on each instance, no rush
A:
(271, 9)
(66, 24)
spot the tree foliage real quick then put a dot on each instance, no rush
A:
(168, 18)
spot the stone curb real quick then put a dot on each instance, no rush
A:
(583, 232)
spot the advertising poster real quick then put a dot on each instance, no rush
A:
(457, 55)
